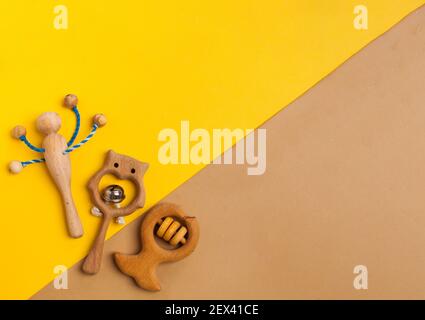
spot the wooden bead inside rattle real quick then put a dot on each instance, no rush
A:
(171, 231)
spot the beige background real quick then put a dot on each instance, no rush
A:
(344, 186)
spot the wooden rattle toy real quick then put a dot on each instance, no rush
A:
(124, 168)
(56, 152)
(169, 223)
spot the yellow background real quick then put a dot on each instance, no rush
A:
(148, 65)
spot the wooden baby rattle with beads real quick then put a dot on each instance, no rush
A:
(171, 224)
(124, 168)
(56, 152)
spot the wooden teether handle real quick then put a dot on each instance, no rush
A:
(93, 260)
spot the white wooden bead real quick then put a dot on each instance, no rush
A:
(96, 212)
(15, 167)
(120, 220)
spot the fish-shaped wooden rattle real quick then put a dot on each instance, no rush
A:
(168, 222)
(56, 152)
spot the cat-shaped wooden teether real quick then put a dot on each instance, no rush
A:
(124, 168)
(171, 224)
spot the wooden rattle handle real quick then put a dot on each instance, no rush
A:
(75, 228)
(59, 166)
(93, 260)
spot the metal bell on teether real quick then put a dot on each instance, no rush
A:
(114, 195)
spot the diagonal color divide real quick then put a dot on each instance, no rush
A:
(146, 66)
(341, 190)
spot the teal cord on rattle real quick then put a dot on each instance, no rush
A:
(71, 101)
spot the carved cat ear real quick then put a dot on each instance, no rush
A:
(110, 156)
(139, 169)
(144, 166)
(111, 153)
